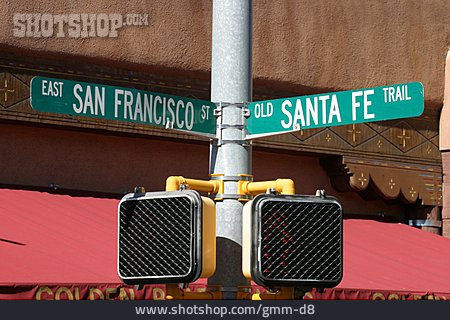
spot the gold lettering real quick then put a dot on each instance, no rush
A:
(109, 291)
(308, 295)
(378, 296)
(158, 294)
(417, 297)
(77, 293)
(393, 296)
(95, 291)
(42, 290)
(131, 294)
(63, 290)
(123, 294)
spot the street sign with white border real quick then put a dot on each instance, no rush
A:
(278, 116)
(123, 104)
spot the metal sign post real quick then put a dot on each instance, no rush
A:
(231, 85)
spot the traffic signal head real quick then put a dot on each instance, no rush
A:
(166, 237)
(292, 241)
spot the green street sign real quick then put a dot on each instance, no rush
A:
(334, 109)
(123, 104)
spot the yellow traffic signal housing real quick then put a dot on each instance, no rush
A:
(166, 237)
(292, 241)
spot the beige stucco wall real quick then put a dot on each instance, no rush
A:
(444, 124)
(320, 44)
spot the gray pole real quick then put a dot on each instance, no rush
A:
(231, 82)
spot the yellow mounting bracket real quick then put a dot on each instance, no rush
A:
(174, 183)
(283, 186)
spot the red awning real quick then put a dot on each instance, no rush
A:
(392, 261)
(63, 247)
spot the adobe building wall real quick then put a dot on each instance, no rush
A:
(444, 145)
(76, 160)
(323, 44)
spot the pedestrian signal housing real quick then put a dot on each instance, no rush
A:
(292, 241)
(166, 237)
